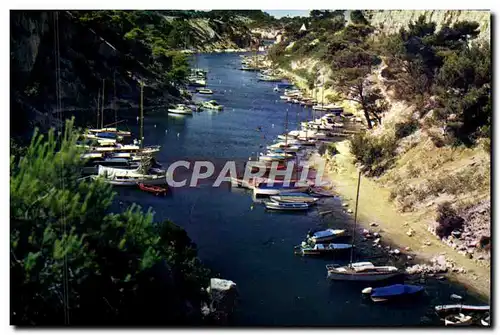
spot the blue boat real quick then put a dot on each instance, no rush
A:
(107, 135)
(392, 292)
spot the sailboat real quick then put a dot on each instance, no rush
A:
(140, 175)
(360, 271)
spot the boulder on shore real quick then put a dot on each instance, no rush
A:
(223, 295)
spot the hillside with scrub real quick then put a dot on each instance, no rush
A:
(423, 93)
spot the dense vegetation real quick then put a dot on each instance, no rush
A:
(444, 73)
(73, 261)
(146, 35)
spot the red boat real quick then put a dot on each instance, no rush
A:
(156, 190)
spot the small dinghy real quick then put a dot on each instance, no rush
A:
(459, 319)
(320, 249)
(292, 206)
(156, 190)
(392, 292)
(326, 235)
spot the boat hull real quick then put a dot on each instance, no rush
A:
(361, 277)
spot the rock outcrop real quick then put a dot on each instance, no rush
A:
(223, 296)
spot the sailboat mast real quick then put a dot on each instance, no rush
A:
(114, 96)
(98, 107)
(102, 111)
(355, 217)
(286, 127)
(142, 118)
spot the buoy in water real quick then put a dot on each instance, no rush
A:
(155, 126)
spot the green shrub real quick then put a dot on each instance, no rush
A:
(403, 129)
(376, 154)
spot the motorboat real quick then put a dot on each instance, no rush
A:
(326, 235)
(181, 109)
(195, 81)
(92, 165)
(110, 130)
(294, 197)
(276, 89)
(212, 104)
(126, 177)
(318, 249)
(277, 187)
(392, 292)
(295, 206)
(361, 271)
(204, 91)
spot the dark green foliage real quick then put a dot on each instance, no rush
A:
(404, 129)
(357, 17)
(444, 64)
(376, 154)
(67, 249)
(448, 220)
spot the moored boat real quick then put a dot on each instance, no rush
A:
(294, 197)
(321, 249)
(326, 235)
(275, 188)
(204, 91)
(361, 271)
(125, 177)
(180, 109)
(292, 206)
(212, 104)
(156, 190)
(392, 292)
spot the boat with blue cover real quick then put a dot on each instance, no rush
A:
(396, 291)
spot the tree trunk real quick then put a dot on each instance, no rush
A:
(367, 116)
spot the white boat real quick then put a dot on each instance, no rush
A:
(197, 82)
(321, 249)
(110, 130)
(276, 89)
(284, 199)
(181, 109)
(277, 187)
(361, 271)
(204, 91)
(458, 320)
(212, 104)
(126, 177)
(326, 235)
(128, 148)
(296, 206)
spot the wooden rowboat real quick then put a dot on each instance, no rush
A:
(156, 190)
